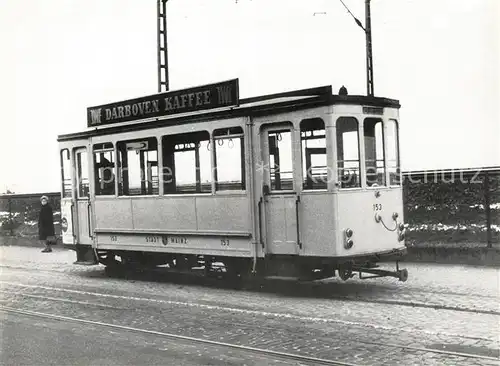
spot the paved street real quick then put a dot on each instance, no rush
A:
(51, 342)
(441, 307)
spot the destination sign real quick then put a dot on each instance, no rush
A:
(223, 94)
(373, 110)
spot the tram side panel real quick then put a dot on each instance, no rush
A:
(113, 214)
(374, 217)
(211, 225)
(317, 224)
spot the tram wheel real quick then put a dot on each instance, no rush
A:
(345, 273)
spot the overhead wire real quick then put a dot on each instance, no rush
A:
(358, 22)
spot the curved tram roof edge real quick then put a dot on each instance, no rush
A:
(254, 106)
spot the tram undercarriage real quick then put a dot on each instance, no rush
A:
(301, 268)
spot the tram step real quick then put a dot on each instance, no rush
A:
(86, 263)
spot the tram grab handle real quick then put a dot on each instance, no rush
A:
(260, 222)
(71, 208)
(89, 219)
(297, 201)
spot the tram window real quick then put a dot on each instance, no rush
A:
(104, 166)
(138, 167)
(374, 151)
(313, 143)
(280, 160)
(393, 153)
(348, 152)
(229, 159)
(66, 173)
(186, 163)
(82, 173)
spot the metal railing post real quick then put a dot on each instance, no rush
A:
(487, 209)
(11, 225)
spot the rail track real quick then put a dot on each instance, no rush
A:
(272, 285)
(262, 351)
(279, 355)
(288, 356)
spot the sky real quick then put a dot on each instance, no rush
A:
(438, 57)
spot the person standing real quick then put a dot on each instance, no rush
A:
(45, 224)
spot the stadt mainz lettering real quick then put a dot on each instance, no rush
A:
(211, 96)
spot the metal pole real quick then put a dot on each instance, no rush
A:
(162, 45)
(159, 34)
(369, 56)
(165, 44)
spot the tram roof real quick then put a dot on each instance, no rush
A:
(255, 106)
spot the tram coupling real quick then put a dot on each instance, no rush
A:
(401, 274)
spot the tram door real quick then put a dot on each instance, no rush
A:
(83, 204)
(280, 198)
(67, 215)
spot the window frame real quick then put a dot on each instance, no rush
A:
(305, 181)
(81, 151)
(165, 144)
(360, 169)
(398, 154)
(114, 152)
(215, 140)
(276, 128)
(70, 173)
(121, 148)
(377, 120)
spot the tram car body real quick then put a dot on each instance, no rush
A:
(301, 183)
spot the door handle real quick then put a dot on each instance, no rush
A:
(297, 201)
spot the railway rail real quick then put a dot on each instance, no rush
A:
(68, 292)
(277, 354)
(280, 355)
(81, 298)
(280, 285)
(343, 338)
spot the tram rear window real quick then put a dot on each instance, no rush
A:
(229, 159)
(348, 163)
(393, 153)
(374, 152)
(138, 167)
(187, 163)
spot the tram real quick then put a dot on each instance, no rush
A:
(304, 183)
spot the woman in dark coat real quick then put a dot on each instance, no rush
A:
(45, 224)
